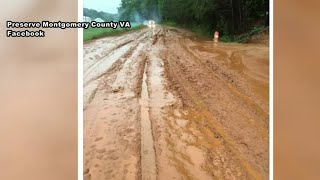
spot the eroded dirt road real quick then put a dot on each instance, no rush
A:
(162, 104)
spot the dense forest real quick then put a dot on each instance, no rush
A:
(93, 14)
(229, 17)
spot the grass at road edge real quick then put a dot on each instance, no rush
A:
(95, 33)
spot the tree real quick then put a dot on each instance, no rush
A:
(231, 17)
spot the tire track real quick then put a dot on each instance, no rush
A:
(94, 82)
(223, 76)
(148, 160)
(217, 127)
(106, 52)
(112, 146)
(107, 63)
(148, 155)
(183, 75)
(245, 101)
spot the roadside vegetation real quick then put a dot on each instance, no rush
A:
(236, 20)
(95, 33)
(93, 14)
(240, 38)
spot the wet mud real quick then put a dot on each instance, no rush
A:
(164, 104)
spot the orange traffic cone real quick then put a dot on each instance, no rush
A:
(216, 37)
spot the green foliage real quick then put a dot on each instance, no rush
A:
(246, 36)
(225, 39)
(95, 33)
(93, 14)
(169, 23)
(230, 17)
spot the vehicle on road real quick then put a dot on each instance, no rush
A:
(150, 23)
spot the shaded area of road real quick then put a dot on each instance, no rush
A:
(163, 104)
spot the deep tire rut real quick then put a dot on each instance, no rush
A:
(148, 160)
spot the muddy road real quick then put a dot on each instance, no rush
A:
(163, 104)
